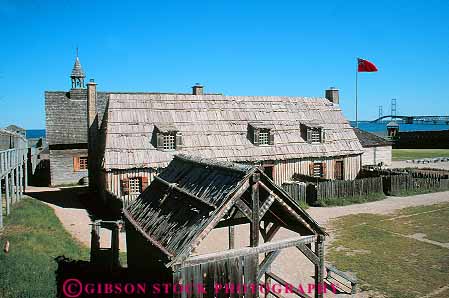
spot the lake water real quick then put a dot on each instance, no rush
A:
(381, 128)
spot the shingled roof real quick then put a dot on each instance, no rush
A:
(369, 139)
(66, 121)
(216, 126)
(193, 194)
(77, 71)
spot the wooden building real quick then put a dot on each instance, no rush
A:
(66, 129)
(190, 198)
(129, 137)
(376, 150)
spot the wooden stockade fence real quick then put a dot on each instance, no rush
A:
(390, 182)
(397, 184)
(352, 188)
(297, 190)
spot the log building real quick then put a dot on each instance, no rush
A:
(129, 137)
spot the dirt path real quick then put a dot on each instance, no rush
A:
(72, 214)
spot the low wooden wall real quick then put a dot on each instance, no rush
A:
(343, 189)
(399, 184)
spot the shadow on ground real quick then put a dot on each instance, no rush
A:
(76, 278)
(76, 198)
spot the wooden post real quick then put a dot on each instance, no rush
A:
(115, 242)
(254, 240)
(95, 241)
(8, 195)
(231, 237)
(16, 184)
(319, 269)
(1, 204)
(20, 180)
(26, 174)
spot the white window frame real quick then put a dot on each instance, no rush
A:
(264, 137)
(134, 185)
(315, 135)
(169, 141)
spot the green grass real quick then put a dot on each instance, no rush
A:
(391, 264)
(36, 238)
(350, 200)
(405, 154)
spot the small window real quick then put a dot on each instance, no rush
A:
(318, 170)
(169, 141)
(135, 186)
(312, 134)
(316, 135)
(264, 137)
(261, 134)
(80, 163)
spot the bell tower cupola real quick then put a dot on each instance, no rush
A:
(77, 76)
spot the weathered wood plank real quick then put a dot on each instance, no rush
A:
(262, 248)
(265, 265)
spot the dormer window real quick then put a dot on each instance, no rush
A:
(169, 141)
(261, 134)
(167, 137)
(312, 134)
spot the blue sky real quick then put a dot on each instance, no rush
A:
(232, 47)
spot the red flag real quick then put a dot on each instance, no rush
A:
(366, 66)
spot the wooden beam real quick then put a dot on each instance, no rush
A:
(273, 230)
(254, 239)
(231, 237)
(263, 248)
(319, 268)
(1, 205)
(309, 254)
(265, 265)
(286, 206)
(232, 222)
(241, 188)
(244, 208)
(266, 205)
(188, 194)
(284, 283)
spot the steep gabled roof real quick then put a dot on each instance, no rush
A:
(368, 139)
(216, 126)
(66, 118)
(192, 194)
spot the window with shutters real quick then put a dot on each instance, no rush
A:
(133, 185)
(260, 134)
(167, 137)
(312, 134)
(80, 163)
(318, 169)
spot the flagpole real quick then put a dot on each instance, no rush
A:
(356, 95)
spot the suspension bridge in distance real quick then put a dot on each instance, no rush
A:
(415, 119)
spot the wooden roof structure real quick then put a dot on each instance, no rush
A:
(194, 195)
(216, 126)
(368, 139)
